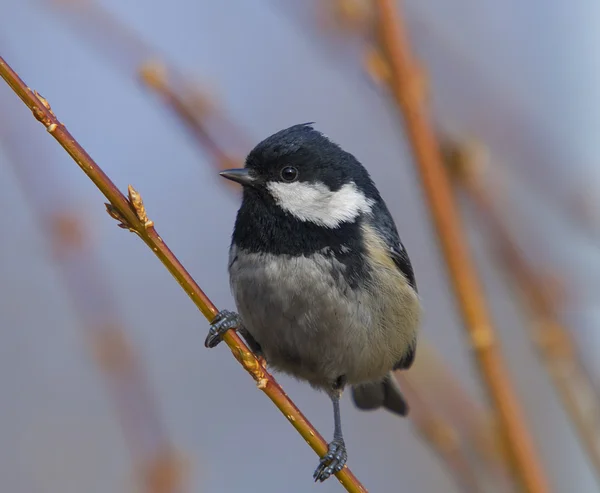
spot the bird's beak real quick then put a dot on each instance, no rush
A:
(239, 175)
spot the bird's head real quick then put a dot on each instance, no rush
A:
(302, 172)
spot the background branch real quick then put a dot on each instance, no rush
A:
(407, 88)
(132, 215)
(554, 343)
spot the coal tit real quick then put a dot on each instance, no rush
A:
(324, 288)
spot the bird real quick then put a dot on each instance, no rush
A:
(324, 288)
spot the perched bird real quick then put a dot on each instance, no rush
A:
(324, 288)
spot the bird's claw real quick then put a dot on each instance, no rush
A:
(332, 462)
(224, 321)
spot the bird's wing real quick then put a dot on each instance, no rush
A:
(383, 222)
(386, 228)
(400, 258)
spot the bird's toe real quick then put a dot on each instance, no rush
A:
(223, 321)
(332, 462)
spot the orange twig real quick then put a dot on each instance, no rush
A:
(131, 214)
(407, 91)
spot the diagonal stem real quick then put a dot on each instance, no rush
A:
(132, 215)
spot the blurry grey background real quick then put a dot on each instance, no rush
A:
(523, 77)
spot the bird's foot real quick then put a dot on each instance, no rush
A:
(333, 461)
(224, 321)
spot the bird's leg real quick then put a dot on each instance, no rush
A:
(335, 458)
(224, 321)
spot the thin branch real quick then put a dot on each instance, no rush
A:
(554, 342)
(132, 215)
(406, 87)
(157, 462)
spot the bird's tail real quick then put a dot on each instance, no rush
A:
(384, 393)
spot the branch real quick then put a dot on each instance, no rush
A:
(131, 214)
(406, 87)
(192, 108)
(554, 342)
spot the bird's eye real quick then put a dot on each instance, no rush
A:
(289, 173)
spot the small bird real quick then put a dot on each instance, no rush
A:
(324, 288)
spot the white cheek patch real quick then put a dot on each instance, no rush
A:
(316, 203)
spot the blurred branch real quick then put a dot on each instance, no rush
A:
(554, 342)
(194, 106)
(131, 214)
(157, 463)
(517, 128)
(406, 87)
